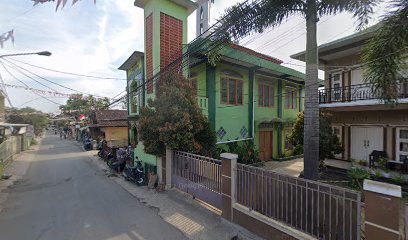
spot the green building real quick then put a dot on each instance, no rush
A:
(247, 96)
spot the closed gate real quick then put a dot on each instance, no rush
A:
(197, 175)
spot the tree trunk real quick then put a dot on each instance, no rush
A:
(311, 131)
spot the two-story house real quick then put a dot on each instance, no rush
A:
(362, 121)
(246, 96)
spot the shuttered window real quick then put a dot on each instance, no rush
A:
(232, 91)
(266, 95)
(291, 98)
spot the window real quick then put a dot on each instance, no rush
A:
(201, 13)
(291, 98)
(266, 95)
(336, 77)
(134, 97)
(231, 89)
(402, 144)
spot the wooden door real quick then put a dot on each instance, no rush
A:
(265, 145)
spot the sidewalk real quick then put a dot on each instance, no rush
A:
(17, 168)
(180, 210)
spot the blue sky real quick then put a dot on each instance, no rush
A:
(95, 39)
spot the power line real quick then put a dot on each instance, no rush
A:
(31, 77)
(67, 73)
(60, 85)
(12, 75)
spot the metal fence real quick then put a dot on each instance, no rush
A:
(324, 211)
(200, 176)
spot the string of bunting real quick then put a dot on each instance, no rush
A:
(7, 36)
(59, 2)
(44, 92)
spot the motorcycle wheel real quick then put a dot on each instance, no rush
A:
(140, 181)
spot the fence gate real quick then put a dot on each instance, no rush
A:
(197, 175)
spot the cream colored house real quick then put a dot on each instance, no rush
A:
(362, 122)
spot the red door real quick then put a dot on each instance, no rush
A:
(265, 145)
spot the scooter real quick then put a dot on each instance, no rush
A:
(135, 174)
(87, 145)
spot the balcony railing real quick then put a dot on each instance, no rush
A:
(356, 93)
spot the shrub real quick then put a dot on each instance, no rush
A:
(247, 154)
(329, 143)
(357, 176)
(397, 178)
(174, 119)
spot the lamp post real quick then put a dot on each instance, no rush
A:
(42, 53)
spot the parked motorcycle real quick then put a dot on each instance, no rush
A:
(135, 173)
(87, 145)
(117, 162)
(102, 153)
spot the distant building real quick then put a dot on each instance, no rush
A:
(112, 124)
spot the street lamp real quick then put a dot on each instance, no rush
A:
(43, 53)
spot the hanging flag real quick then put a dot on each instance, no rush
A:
(6, 36)
(81, 117)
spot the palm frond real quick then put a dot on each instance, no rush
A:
(361, 9)
(386, 53)
(250, 16)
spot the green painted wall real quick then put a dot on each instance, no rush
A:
(144, 157)
(200, 70)
(266, 113)
(232, 118)
(211, 92)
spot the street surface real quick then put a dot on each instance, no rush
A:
(64, 196)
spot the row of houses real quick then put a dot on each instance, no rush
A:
(252, 96)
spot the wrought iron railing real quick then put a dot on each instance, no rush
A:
(356, 93)
(321, 210)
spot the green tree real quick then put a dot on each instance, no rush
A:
(329, 143)
(78, 104)
(385, 53)
(174, 119)
(258, 15)
(28, 115)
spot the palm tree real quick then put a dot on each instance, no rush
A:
(385, 53)
(258, 15)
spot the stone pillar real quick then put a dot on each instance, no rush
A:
(382, 210)
(169, 158)
(228, 172)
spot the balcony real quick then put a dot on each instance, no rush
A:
(203, 104)
(355, 93)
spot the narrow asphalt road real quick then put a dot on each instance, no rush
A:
(64, 196)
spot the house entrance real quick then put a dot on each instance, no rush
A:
(265, 145)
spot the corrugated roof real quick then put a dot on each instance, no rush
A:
(111, 118)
